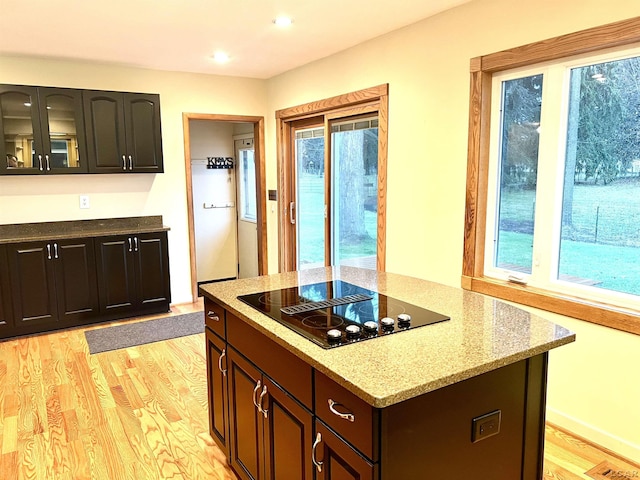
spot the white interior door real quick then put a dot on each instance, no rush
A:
(247, 208)
(215, 222)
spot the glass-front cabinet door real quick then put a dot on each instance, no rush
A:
(63, 130)
(20, 127)
(42, 131)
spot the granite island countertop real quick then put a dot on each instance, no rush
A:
(44, 231)
(483, 334)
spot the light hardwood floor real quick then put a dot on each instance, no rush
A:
(140, 413)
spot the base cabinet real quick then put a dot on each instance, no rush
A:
(45, 285)
(270, 432)
(218, 391)
(52, 283)
(6, 315)
(335, 459)
(133, 273)
(276, 432)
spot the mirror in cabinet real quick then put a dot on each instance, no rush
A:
(42, 130)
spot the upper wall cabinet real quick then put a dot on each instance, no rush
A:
(123, 132)
(42, 131)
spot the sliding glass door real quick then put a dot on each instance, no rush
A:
(354, 192)
(335, 211)
(310, 203)
(332, 157)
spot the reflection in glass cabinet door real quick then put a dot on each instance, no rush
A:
(17, 128)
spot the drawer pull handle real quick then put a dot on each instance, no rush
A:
(222, 355)
(255, 392)
(313, 453)
(264, 412)
(345, 416)
(212, 315)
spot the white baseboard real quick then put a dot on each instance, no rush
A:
(600, 437)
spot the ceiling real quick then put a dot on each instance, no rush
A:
(182, 35)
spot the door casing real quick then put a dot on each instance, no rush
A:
(258, 131)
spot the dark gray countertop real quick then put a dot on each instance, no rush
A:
(27, 232)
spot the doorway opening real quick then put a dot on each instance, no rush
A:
(226, 193)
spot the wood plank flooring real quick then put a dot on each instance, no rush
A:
(140, 413)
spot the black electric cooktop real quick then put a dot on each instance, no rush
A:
(337, 313)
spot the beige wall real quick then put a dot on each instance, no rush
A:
(593, 384)
(41, 198)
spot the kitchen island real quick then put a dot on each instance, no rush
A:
(458, 399)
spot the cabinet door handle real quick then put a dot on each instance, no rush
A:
(46, 157)
(48, 251)
(124, 163)
(346, 416)
(255, 392)
(135, 241)
(313, 453)
(292, 206)
(222, 355)
(213, 316)
(264, 412)
(130, 245)
(55, 250)
(130, 163)
(40, 162)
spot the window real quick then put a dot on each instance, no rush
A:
(247, 170)
(553, 187)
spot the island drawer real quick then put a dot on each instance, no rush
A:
(214, 317)
(282, 366)
(351, 417)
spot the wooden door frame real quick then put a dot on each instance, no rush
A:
(261, 188)
(329, 109)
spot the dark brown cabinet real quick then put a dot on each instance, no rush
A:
(52, 283)
(6, 316)
(42, 131)
(123, 132)
(288, 434)
(270, 432)
(286, 420)
(133, 274)
(265, 432)
(218, 391)
(335, 459)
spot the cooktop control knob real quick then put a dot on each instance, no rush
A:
(353, 331)
(387, 323)
(404, 320)
(334, 335)
(370, 326)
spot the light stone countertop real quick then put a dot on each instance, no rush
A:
(482, 335)
(45, 231)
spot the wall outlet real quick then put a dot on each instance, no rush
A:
(84, 201)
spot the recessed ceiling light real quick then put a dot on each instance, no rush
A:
(221, 57)
(283, 21)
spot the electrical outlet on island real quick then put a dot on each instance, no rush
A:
(84, 201)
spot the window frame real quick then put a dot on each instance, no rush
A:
(482, 69)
